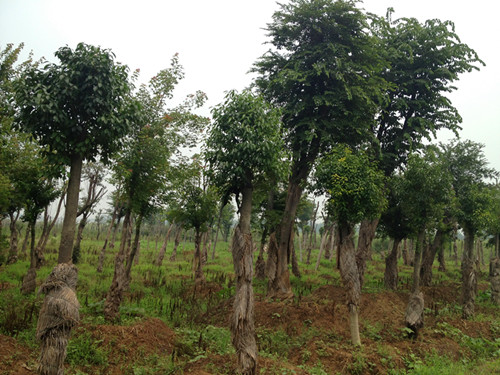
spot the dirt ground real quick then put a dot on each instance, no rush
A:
(323, 310)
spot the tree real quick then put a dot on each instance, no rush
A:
(395, 224)
(355, 192)
(143, 165)
(39, 190)
(141, 169)
(243, 149)
(425, 60)
(469, 169)
(78, 109)
(494, 224)
(426, 193)
(323, 72)
(11, 202)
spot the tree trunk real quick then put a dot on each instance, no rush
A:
(58, 315)
(441, 260)
(69, 222)
(295, 264)
(105, 245)
(14, 235)
(79, 237)
(217, 231)
(161, 254)
(417, 261)
(322, 246)
(279, 283)
(495, 280)
(428, 258)
(497, 245)
(260, 265)
(242, 322)
(414, 315)
(364, 250)
(204, 251)
(350, 277)
(47, 227)
(327, 250)
(469, 277)
(199, 278)
(391, 266)
(312, 237)
(115, 293)
(177, 240)
(26, 241)
(29, 281)
(134, 251)
(406, 261)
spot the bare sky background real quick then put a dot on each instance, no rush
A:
(219, 40)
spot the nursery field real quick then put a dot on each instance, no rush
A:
(167, 326)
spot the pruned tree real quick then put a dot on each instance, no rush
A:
(395, 224)
(244, 149)
(426, 193)
(78, 110)
(194, 208)
(354, 187)
(468, 167)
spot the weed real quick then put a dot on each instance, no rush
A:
(372, 331)
(359, 364)
(84, 350)
(274, 342)
(17, 312)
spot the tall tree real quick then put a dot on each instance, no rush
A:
(469, 169)
(78, 109)
(425, 61)
(355, 191)
(243, 150)
(323, 71)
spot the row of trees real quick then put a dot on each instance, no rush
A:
(342, 105)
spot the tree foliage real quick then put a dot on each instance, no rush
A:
(244, 147)
(323, 72)
(469, 170)
(425, 61)
(76, 107)
(354, 185)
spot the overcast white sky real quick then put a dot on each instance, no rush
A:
(219, 40)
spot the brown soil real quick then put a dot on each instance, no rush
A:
(319, 319)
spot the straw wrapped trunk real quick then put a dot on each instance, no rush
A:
(58, 315)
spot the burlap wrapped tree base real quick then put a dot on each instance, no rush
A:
(58, 315)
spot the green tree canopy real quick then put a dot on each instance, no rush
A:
(469, 171)
(244, 144)
(354, 185)
(425, 61)
(76, 107)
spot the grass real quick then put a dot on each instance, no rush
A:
(167, 293)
